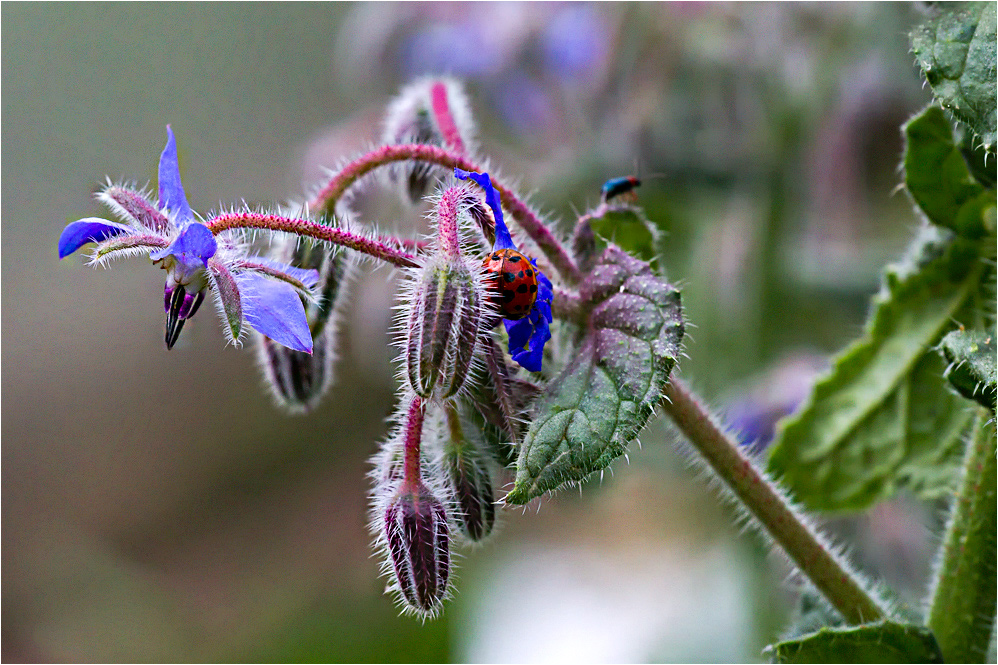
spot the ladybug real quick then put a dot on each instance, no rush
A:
(615, 187)
(512, 282)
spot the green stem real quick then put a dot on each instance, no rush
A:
(962, 608)
(771, 508)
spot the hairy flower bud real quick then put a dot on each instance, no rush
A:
(469, 480)
(431, 111)
(299, 380)
(418, 537)
(442, 327)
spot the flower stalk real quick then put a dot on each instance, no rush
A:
(771, 508)
(325, 201)
(961, 612)
(303, 227)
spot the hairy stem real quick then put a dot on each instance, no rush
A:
(325, 201)
(962, 608)
(770, 507)
(302, 227)
(413, 441)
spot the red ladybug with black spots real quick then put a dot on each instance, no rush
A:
(512, 282)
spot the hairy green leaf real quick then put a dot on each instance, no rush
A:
(884, 642)
(956, 52)
(972, 360)
(938, 179)
(882, 418)
(606, 393)
(627, 227)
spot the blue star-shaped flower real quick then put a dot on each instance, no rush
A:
(249, 289)
(527, 336)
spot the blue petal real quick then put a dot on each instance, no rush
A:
(503, 241)
(275, 309)
(171, 191)
(91, 229)
(192, 249)
(528, 336)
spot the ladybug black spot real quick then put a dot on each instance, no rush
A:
(496, 256)
(520, 274)
(533, 288)
(530, 273)
(509, 277)
(522, 288)
(513, 259)
(508, 295)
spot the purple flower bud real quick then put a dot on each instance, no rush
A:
(430, 112)
(299, 380)
(418, 537)
(442, 327)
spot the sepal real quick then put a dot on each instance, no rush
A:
(442, 328)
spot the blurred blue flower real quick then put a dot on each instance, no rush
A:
(259, 291)
(575, 41)
(527, 336)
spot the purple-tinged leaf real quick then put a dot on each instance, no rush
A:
(227, 289)
(171, 191)
(609, 388)
(274, 309)
(90, 229)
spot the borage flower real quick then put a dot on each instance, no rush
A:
(527, 334)
(264, 293)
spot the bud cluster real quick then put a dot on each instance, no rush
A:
(433, 484)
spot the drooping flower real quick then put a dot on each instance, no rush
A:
(527, 335)
(248, 289)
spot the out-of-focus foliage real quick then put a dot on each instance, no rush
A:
(882, 418)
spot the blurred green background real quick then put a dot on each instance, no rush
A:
(157, 507)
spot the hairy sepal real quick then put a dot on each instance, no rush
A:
(442, 327)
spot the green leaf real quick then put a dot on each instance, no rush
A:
(885, 642)
(939, 181)
(972, 364)
(882, 418)
(956, 52)
(606, 393)
(627, 227)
